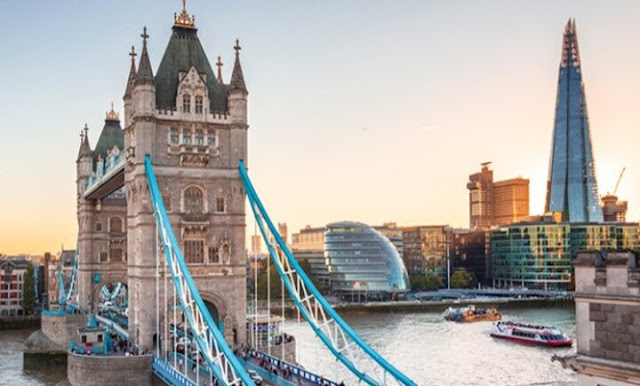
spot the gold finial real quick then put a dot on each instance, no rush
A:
(112, 115)
(184, 20)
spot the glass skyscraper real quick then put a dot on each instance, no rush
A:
(572, 188)
(362, 260)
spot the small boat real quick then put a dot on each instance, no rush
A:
(530, 334)
(471, 314)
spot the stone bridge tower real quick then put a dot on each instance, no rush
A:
(194, 127)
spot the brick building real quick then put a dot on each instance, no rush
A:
(11, 286)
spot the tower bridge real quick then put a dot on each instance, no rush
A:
(161, 211)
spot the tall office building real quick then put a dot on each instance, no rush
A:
(480, 187)
(496, 203)
(425, 249)
(572, 188)
(510, 201)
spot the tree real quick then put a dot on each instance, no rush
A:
(306, 267)
(29, 290)
(275, 282)
(417, 283)
(432, 282)
(462, 279)
(426, 282)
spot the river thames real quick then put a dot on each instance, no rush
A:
(422, 345)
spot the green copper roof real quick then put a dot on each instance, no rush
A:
(111, 136)
(183, 51)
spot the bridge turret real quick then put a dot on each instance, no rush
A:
(86, 215)
(237, 103)
(84, 160)
(238, 91)
(128, 93)
(142, 107)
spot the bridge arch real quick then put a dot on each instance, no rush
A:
(106, 278)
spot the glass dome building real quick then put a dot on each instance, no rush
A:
(363, 262)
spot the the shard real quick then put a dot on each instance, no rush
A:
(572, 188)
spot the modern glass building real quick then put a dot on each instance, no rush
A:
(539, 255)
(363, 262)
(572, 188)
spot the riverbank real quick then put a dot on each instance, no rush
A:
(435, 305)
(20, 322)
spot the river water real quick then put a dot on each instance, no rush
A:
(422, 345)
(432, 351)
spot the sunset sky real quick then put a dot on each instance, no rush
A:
(361, 110)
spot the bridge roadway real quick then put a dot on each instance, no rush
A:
(253, 361)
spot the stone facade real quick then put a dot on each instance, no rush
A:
(195, 151)
(608, 319)
(99, 370)
(62, 329)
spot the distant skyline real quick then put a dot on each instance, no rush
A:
(370, 111)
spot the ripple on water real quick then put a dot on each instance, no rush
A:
(12, 370)
(434, 352)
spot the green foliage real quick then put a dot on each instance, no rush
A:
(28, 290)
(276, 282)
(273, 280)
(433, 282)
(462, 279)
(426, 282)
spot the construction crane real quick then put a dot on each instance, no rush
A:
(618, 183)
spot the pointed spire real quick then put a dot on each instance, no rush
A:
(85, 148)
(570, 53)
(145, 73)
(132, 73)
(237, 79)
(219, 64)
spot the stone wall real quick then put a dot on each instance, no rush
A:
(608, 318)
(87, 370)
(62, 329)
(617, 331)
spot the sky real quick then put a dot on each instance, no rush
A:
(362, 110)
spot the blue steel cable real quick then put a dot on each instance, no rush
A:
(258, 207)
(171, 246)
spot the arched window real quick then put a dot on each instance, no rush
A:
(193, 200)
(199, 138)
(186, 137)
(174, 137)
(199, 104)
(115, 225)
(186, 103)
